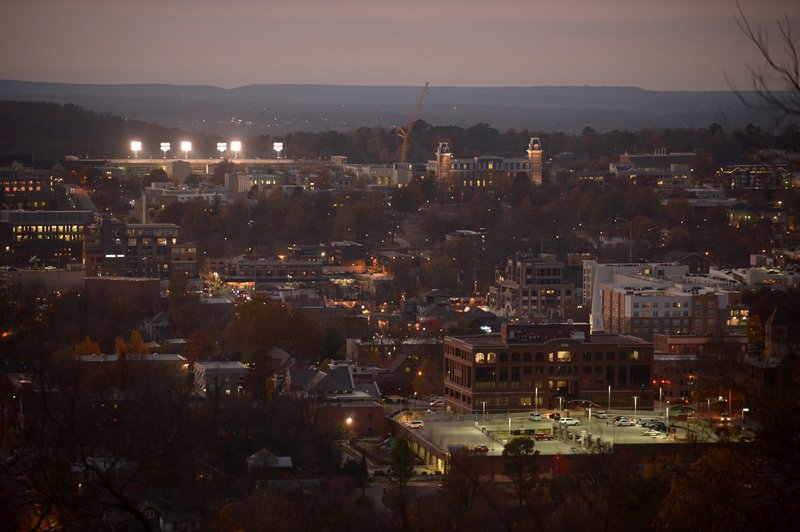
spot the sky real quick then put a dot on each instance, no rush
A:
(652, 44)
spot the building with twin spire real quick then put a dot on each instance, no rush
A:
(482, 172)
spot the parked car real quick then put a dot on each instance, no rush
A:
(654, 433)
(569, 421)
(555, 415)
(600, 415)
(725, 417)
(624, 422)
(535, 416)
(542, 436)
(415, 424)
(436, 400)
(660, 426)
(481, 449)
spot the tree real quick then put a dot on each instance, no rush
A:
(402, 462)
(200, 346)
(428, 378)
(520, 466)
(778, 68)
(183, 305)
(86, 347)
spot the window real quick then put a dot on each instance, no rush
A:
(503, 357)
(564, 356)
(491, 358)
(480, 358)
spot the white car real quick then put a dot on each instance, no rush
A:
(624, 422)
(569, 421)
(535, 416)
(600, 415)
(415, 424)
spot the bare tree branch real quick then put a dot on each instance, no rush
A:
(781, 70)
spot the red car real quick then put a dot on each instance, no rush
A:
(542, 436)
(481, 449)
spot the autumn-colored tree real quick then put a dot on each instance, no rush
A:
(260, 323)
(135, 345)
(86, 347)
(200, 346)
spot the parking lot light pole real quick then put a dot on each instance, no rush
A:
(484, 410)
(635, 404)
(743, 411)
(609, 398)
(509, 428)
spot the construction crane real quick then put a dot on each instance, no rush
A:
(405, 133)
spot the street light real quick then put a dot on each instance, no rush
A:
(609, 398)
(186, 147)
(236, 147)
(743, 411)
(559, 403)
(136, 147)
(635, 403)
(659, 397)
(484, 410)
(536, 398)
(509, 428)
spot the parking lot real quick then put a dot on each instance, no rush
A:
(444, 429)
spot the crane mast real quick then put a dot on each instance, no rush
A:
(405, 133)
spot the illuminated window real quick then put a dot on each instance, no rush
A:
(564, 356)
(480, 358)
(491, 358)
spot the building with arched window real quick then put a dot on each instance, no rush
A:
(531, 366)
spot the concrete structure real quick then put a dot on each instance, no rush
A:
(529, 366)
(220, 378)
(531, 286)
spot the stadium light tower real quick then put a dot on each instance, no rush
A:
(165, 148)
(222, 147)
(278, 147)
(136, 147)
(236, 147)
(186, 147)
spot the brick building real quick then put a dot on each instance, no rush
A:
(530, 366)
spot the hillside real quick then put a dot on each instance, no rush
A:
(279, 109)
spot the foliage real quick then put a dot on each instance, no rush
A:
(402, 462)
(261, 323)
(520, 465)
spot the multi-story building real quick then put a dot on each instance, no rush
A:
(53, 237)
(531, 286)
(481, 173)
(530, 366)
(22, 189)
(645, 310)
(214, 378)
(754, 177)
(137, 250)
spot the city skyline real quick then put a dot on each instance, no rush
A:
(679, 45)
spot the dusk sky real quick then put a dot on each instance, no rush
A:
(653, 44)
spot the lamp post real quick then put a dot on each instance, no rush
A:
(165, 146)
(536, 398)
(609, 398)
(667, 421)
(186, 147)
(708, 408)
(236, 147)
(559, 404)
(743, 411)
(659, 397)
(509, 428)
(222, 147)
(483, 403)
(136, 147)
(635, 404)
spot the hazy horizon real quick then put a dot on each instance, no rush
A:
(681, 45)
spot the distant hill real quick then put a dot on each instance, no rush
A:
(51, 131)
(279, 109)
